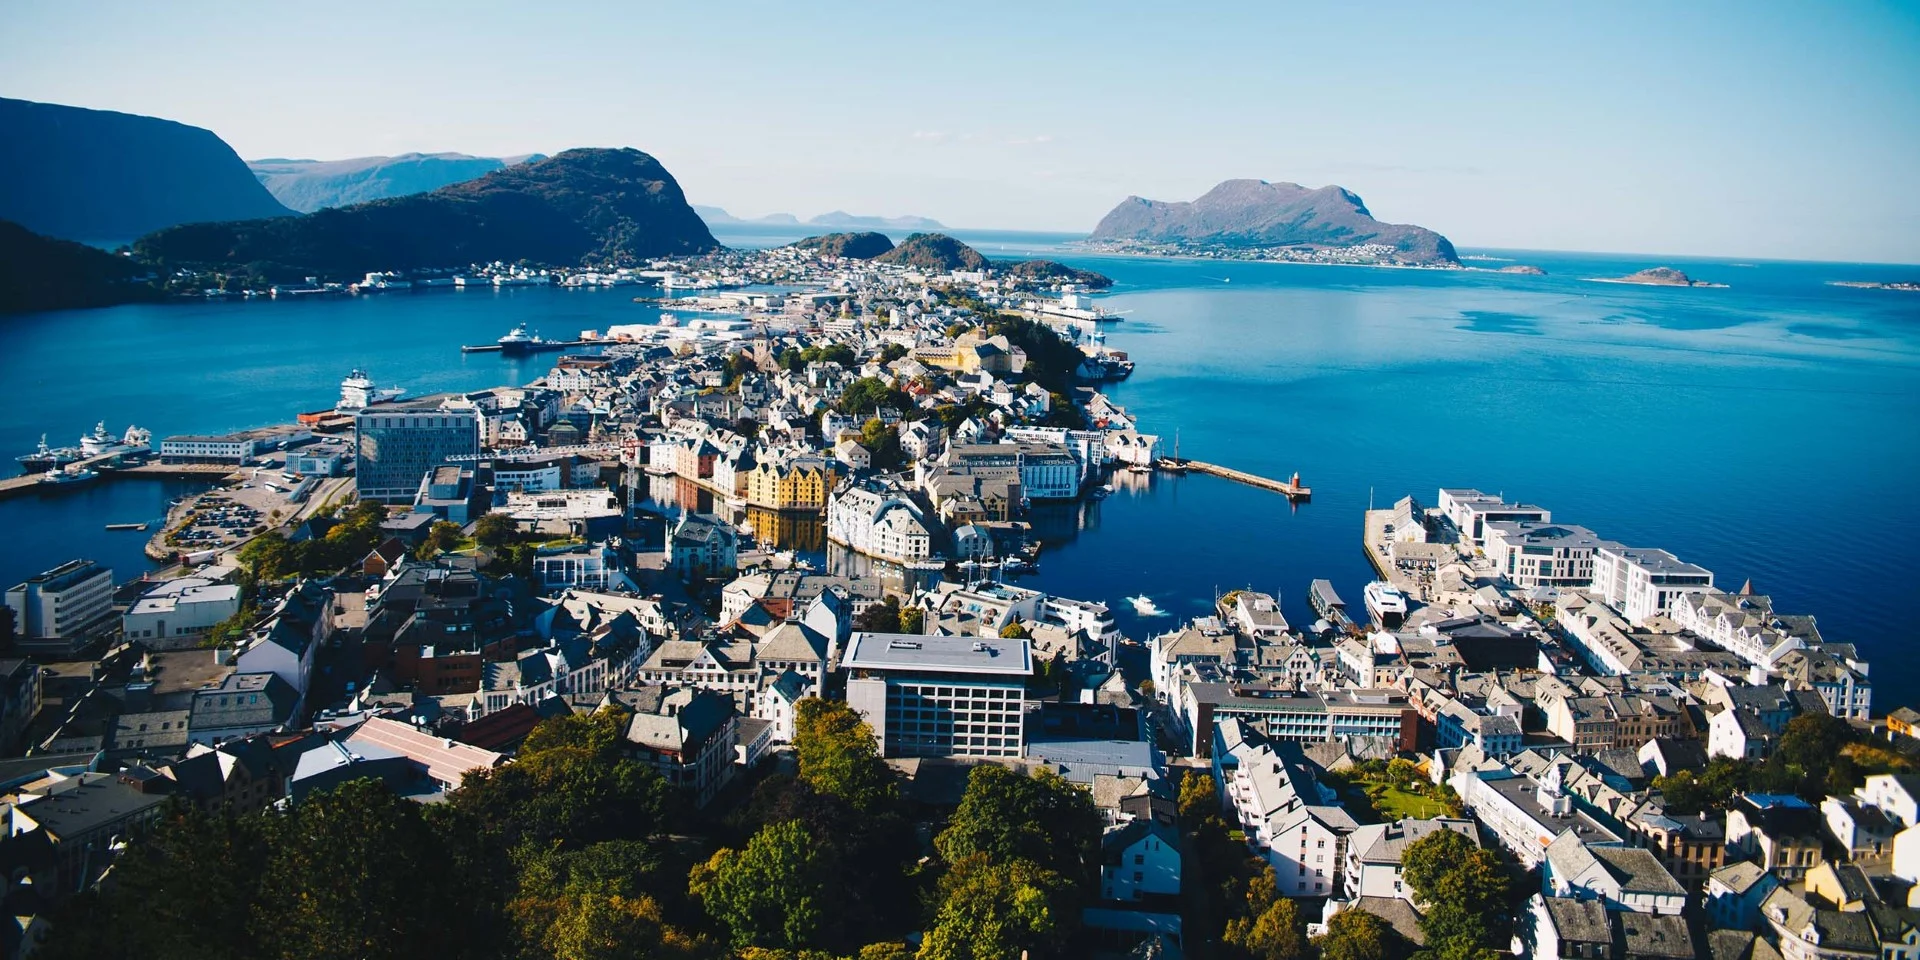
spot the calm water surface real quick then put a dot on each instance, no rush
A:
(1769, 430)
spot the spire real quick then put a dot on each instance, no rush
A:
(1746, 590)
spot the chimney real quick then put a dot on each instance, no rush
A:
(222, 656)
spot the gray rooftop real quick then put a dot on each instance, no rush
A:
(908, 652)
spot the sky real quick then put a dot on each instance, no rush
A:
(1757, 129)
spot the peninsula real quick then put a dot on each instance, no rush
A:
(1905, 286)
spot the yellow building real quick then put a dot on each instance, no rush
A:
(793, 485)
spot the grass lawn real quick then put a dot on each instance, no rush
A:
(1393, 804)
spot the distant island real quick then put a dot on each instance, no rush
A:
(836, 218)
(103, 177)
(1527, 269)
(1053, 271)
(1658, 277)
(1254, 219)
(309, 185)
(858, 246)
(617, 206)
(1907, 286)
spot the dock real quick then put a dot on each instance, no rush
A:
(1292, 489)
(30, 483)
(543, 346)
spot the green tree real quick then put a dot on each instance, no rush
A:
(495, 530)
(994, 911)
(892, 352)
(595, 926)
(266, 557)
(352, 873)
(1199, 798)
(912, 620)
(573, 789)
(1354, 934)
(1015, 631)
(1007, 816)
(837, 754)
(769, 895)
(1273, 933)
(442, 537)
(1461, 887)
(882, 617)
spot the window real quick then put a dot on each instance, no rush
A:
(1138, 859)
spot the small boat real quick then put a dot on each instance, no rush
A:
(1144, 606)
(68, 474)
(126, 526)
(1139, 468)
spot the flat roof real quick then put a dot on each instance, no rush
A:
(908, 652)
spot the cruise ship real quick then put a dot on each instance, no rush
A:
(1386, 604)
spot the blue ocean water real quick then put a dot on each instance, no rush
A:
(1769, 430)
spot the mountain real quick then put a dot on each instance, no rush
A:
(105, 177)
(584, 205)
(1255, 213)
(934, 253)
(42, 273)
(841, 218)
(859, 246)
(309, 185)
(714, 215)
(1053, 271)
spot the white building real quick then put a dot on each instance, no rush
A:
(1537, 554)
(1622, 878)
(63, 603)
(184, 608)
(1643, 582)
(879, 521)
(940, 696)
(1374, 851)
(594, 566)
(1141, 857)
(1525, 813)
(1470, 511)
(1290, 820)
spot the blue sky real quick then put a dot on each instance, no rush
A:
(1756, 129)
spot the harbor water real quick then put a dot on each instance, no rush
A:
(1769, 430)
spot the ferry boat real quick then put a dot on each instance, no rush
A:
(101, 443)
(1144, 606)
(522, 280)
(48, 458)
(1386, 604)
(68, 474)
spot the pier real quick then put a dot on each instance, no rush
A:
(30, 483)
(1292, 489)
(541, 346)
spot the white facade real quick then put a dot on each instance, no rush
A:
(879, 524)
(63, 602)
(1643, 582)
(1143, 859)
(186, 607)
(940, 696)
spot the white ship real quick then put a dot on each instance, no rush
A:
(68, 474)
(358, 391)
(1144, 606)
(1386, 604)
(100, 442)
(522, 280)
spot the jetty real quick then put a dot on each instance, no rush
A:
(1292, 489)
(538, 346)
(104, 466)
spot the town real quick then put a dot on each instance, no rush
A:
(571, 636)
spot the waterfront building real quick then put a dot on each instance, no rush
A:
(1642, 582)
(940, 696)
(176, 612)
(1535, 554)
(1745, 624)
(878, 519)
(1470, 511)
(1047, 471)
(59, 609)
(233, 448)
(395, 445)
(703, 546)
(796, 483)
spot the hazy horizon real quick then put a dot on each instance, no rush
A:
(1758, 131)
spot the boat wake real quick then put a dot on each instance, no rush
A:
(1144, 606)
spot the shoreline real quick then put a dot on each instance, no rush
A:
(1698, 284)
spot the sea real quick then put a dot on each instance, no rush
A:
(1768, 430)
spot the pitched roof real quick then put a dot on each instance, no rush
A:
(446, 761)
